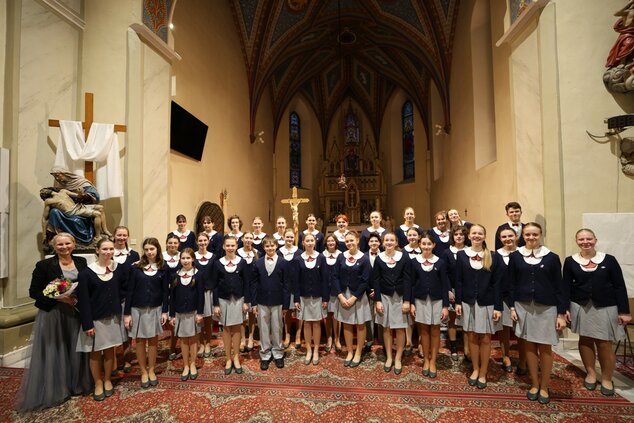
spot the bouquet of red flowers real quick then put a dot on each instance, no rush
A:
(59, 288)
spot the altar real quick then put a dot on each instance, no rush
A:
(352, 180)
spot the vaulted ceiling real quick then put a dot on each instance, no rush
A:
(292, 46)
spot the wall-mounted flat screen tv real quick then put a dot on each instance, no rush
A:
(187, 133)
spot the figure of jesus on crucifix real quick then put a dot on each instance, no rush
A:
(294, 202)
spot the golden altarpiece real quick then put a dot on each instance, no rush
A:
(351, 178)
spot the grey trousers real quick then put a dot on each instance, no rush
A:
(271, 331)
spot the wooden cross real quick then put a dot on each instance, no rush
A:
(294, 202)
(88, 115)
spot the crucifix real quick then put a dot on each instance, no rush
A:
(224, 196)
(294, 202)
(88, 116)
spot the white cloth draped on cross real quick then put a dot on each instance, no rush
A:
(102, 147)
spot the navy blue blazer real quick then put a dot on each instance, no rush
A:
(258, 244)
(479, 285)
(204, 271)
(541, 283)
(401, 235)
(307, 282)
(99, 299)
(604, 286)
(386, 280)
(227, 285)
(330, 269)
(273, 289)
(356, 278)
(295, 254)
(215, 244)
(440, 246)
(126, 266)
(188, 242)
(47, 271)
(147, 291)
(365, 236)
(433, 283)
(498, 243)
(186, 298)
(319, 240)
(452, 263)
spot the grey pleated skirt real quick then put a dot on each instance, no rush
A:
(428, 311)
(596, 322)
(310, 309)
(209, 303)
(231, 311)
(358, 314)
(536, 323)
(108, 334)
(186, 325)
(333, 305)
(479, 319)
(506, 316)
(393, 316)
(146, 322)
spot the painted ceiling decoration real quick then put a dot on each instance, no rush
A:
(329, 50)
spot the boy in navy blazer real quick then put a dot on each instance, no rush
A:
(514, 213)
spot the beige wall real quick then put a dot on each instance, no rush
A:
(404, 194)
(211, 83)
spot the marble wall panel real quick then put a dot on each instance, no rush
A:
(48, 63)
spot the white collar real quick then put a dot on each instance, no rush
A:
(314, 255)
(409, 249)
(327, 254)
(212, 233)
(313, 233)
(286, 251)
(470, 253)
(123, 251)
(207, 255)
(151, 269)
(243, 253)
(225, 262)
(378, 231)
(504, 253)
(384, 257)
(258, 238)
(103, 270)
(419, 258)
(179, 234)
(597, 259)
(404, 227)
(347, 255)
(341, 237)
(439, 232)
(511, 224)
(538, 253)
(190, 272)
(236, 236)
(454, 249)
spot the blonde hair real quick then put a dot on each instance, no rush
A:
(487, 260)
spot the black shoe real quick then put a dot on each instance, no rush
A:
(279, 363)
(100, 397)
(481, 385)
(590, 386)
(472, 382)
(398, 371)
(507, 369)
(521, 372)
(264, 364)
(108, 392)
(607, 392)
(354, 364)
(532, 396)
(543, 400)
(407, 352)
(346, 363)
(466, 359)
(238, 370)
(153, 382)
(367, 349)
(227, 370)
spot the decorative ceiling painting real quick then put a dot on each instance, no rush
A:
(156, 16)
(329, 50)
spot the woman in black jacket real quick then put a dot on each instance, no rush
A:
(56, 371)
(599, 307)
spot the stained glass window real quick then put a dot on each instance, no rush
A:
(295, 150)
(407, 117)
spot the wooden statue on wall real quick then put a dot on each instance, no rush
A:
(619, 77)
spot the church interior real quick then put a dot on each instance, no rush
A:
(360, 105)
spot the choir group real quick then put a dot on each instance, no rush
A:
(409, 278)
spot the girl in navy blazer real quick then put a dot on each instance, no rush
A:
(100, 310)
(280, 225)
(375, 222)
(288, 251)
(430, 300)
(350, 281)
(333, 327)
(310, 290)
(441, 233)
(391, 279)
(538, 303)
(171, 258)
(478, 278)
(408, 222)
(186, 237)
(215, 237)
(232, 299)
(124, 256)
(146, 307)
(342, 229)
(459, 235)
(412, 250)
(599, 307)
(250, 255)
(311, 227)
(203, 261)
(258, 235)
(235, 228)
(186, 310)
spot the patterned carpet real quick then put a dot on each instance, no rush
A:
(328, 392)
